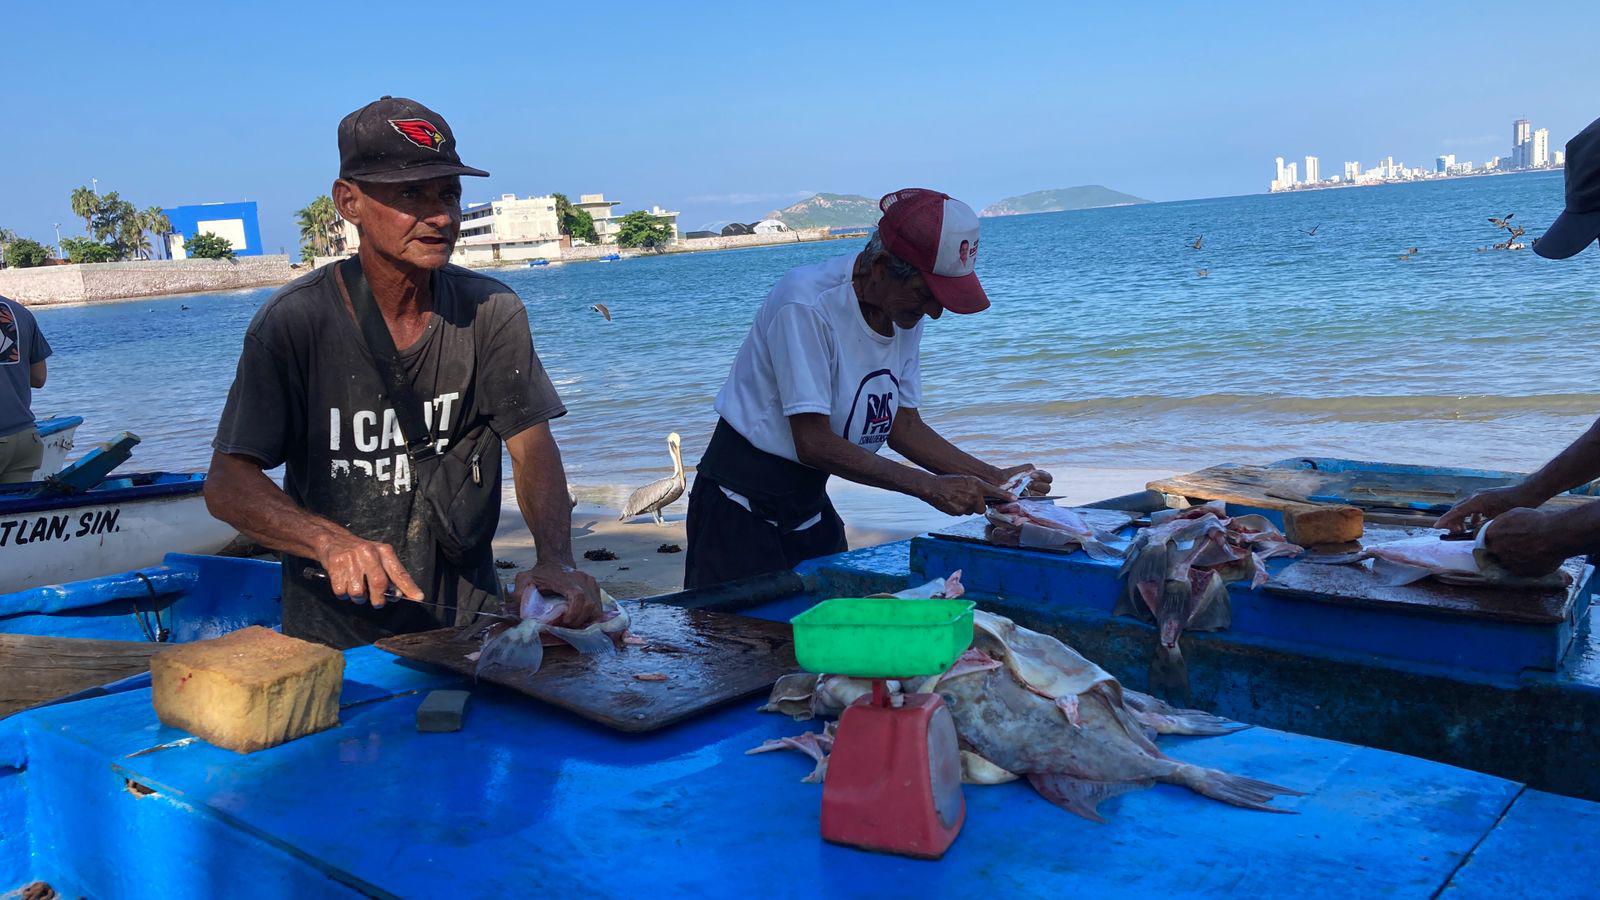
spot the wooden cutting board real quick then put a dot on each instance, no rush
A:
(1380, 494)
(1355, 585)
(709, 659)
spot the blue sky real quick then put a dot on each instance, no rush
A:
(727, 110)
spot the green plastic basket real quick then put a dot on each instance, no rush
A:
(882, 637)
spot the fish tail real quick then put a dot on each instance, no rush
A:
(1169, 674)
(1168, 719)
(1237, 790)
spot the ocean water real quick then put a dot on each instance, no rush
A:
(1104, 347)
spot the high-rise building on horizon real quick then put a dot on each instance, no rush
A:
(1352, 171)
(1558, 159)
(1520, 138)
(1541, 148)
(1313, 170)
(1443, 164)
(1291, 174)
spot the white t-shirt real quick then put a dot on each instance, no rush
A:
(810, 351)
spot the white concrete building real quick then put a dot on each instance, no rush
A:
(1541, 148)
(670, 216)
(509, 229)
(1313, 170)
(1352, 172)
(599, 209)
(1558, 159)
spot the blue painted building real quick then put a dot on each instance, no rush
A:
(235, 221)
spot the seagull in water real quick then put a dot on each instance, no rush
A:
(657, 495)
(603, 310)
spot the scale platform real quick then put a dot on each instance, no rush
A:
(1328, 609)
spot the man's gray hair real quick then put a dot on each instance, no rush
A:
(898, 267)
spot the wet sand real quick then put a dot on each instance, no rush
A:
(871, 517)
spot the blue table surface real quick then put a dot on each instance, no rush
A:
(525, 795)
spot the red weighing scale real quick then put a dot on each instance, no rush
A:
(894, 776)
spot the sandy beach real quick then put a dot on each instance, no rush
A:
(871, 517)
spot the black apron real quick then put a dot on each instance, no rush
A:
(727, 541)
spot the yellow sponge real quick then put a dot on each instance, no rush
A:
(248, 690)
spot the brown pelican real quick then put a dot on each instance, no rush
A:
(657, 495)
(1198, 241)
(603, 310)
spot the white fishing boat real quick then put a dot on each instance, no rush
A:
(57, 433)
(124, 522)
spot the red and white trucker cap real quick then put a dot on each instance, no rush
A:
(938, 235)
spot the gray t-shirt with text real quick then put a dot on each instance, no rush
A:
(308, 397)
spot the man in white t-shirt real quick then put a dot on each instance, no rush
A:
(830, 373)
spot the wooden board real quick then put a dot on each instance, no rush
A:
(1356, 585)
(709, 659)
(1378, 494)
(35, 669)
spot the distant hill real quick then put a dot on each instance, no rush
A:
(829, 211)
(1086, 196)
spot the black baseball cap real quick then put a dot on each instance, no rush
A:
(1579, 224)
(393, 139)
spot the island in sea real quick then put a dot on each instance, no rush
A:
(829, 211)
(1084, 196)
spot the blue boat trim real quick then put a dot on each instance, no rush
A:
(190, 597)
(19, 498)
(57, 424)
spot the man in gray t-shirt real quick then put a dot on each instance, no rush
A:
(23, 351)
(308, 396)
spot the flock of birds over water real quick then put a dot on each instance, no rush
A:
(1512, 242)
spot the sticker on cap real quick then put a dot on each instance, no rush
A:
(958, 241)
(420, 132)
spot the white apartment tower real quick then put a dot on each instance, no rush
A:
(1352, 171)
(1541, 148)
(1520, 138)
(1313, 170)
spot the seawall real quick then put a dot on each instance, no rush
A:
(91, 282)
(695, 245)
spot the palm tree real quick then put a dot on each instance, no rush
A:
(7, 238)
(134, 238)
(154, 220)
(84, 204)
(316, 222)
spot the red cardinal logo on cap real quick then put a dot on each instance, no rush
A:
(420, 132)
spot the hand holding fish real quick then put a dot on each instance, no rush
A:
(960, 495)
(1485, 505)
(581, 591)
(1039, 481)
(1528, 542)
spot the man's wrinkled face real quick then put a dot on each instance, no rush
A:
(905, 300)
(414, 222)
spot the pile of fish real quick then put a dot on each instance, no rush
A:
(521, 646)
(1040, 523)
(1176, 575)
(1028, 706)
